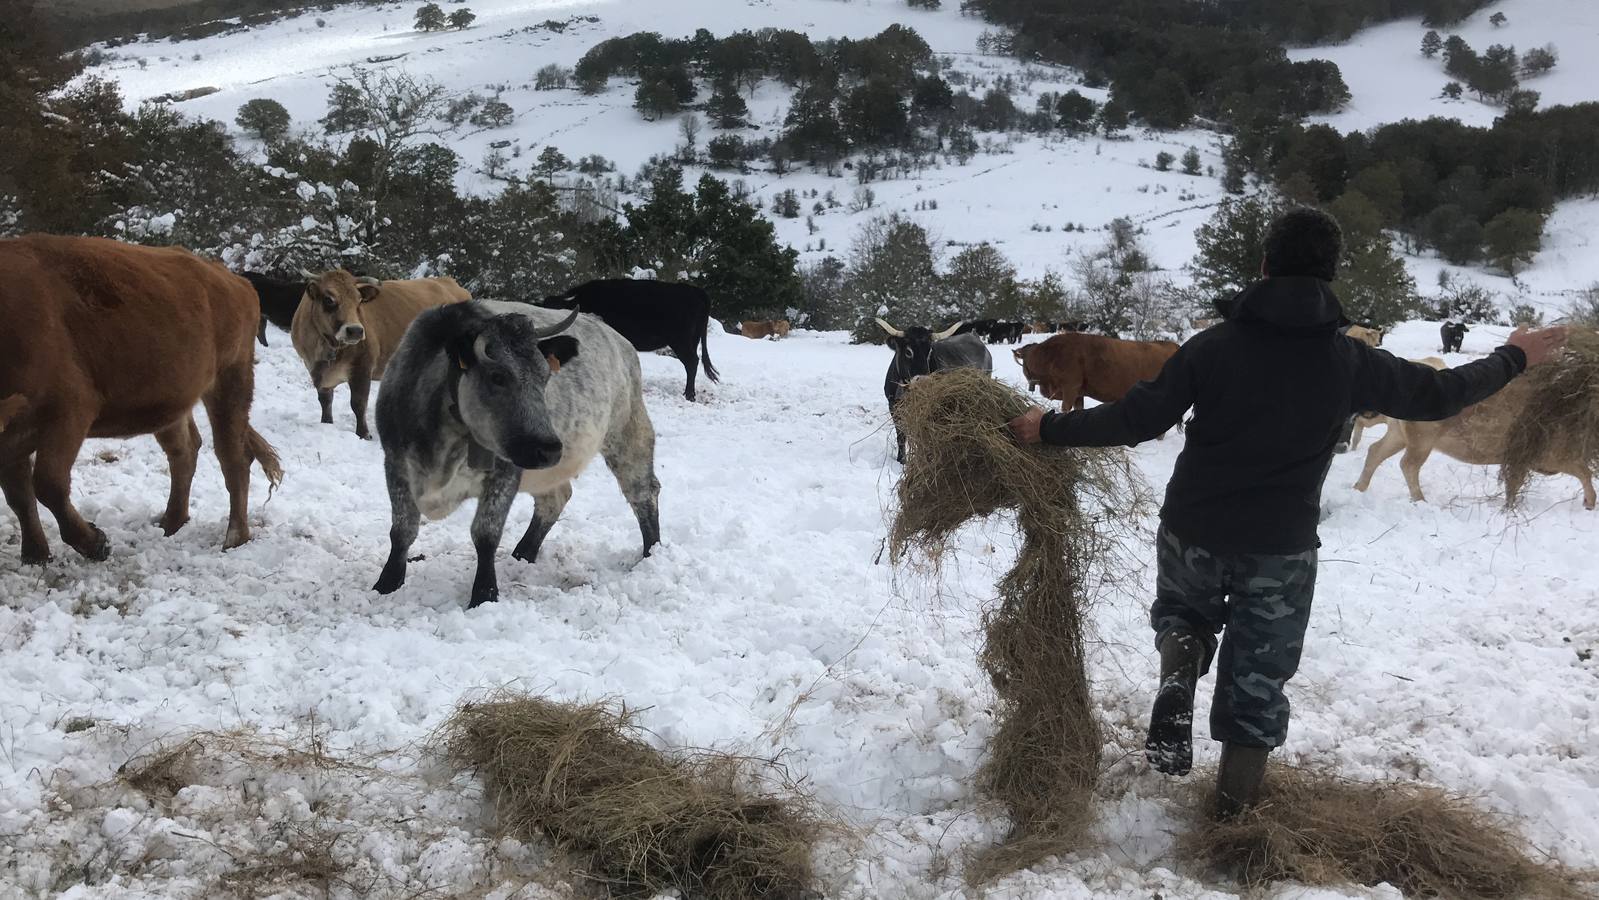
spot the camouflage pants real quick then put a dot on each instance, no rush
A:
(1263, 603)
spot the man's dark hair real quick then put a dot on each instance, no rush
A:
(1304, 242)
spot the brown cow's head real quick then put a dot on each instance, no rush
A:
(334, 301)
(1020, 355)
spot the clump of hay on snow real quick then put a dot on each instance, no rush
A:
(1070, 504)
(1316, 828)
(1561, 416)
(640, 819)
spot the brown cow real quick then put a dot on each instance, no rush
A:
(1071, 366)
(109, 340)
(760, 328)
(346, 328)
(1476, 435)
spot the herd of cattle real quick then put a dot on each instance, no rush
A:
(477, 399)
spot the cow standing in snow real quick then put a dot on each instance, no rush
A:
(486, 399)
(922, 351)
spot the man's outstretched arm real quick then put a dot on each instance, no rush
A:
(1417, 393)
(1148, 411)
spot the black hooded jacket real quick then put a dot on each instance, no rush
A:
(1271, 389)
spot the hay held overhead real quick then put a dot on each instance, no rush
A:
(638, 818)
(1316, 828)
(1561, 417)
(962, 463)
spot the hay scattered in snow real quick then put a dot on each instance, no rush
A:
(1316, 828)
(640, 819)
(961, 464)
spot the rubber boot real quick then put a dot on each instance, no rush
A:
(1238, 778)
(1170, 745)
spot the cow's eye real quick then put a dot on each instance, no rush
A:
(329, 304)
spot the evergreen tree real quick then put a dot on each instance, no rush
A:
(1112, 117)
(1513, 238)
(1498, 19)
(978, 280)
(1191, 161)
(1163, 161)
(551, 162)
(1453, 90)
(893, 274)
(494, 113)
(430, 18)
(1074, 111)
(1539, 60)
(461, 18)
(1163, 101)
(1431, 43)
(267, 119)
(1373, 285)
(725, 151)
(1232, 245)
(1232, 169)
(726, 107)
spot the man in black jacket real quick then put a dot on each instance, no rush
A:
(1271, 388)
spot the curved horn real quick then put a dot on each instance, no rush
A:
(368, 279)
(540, 334)
(890, 329)
(947, 332)
(307, 274)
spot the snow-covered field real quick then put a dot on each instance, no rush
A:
(1451, 643)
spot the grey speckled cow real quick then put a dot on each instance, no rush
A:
(484, 399)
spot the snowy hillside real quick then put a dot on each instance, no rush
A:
(1450, 643)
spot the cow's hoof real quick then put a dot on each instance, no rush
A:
(97, 548)
(171, 524)
(526, 553)
(35, 556)
(388, 585)
(327, 420)
(364, 435)
(481, 597)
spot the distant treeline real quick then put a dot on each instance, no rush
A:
(183, 21)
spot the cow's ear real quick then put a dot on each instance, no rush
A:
(368, 291)
(558, 351)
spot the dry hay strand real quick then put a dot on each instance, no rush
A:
(1317, 828)
(961, 464)
(641, 819)
(1561, 417)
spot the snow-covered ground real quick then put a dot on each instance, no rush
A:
(1451, 642)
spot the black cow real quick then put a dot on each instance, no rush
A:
(1007, 332)
(651, 315)
(1453, 333)
(979, 327)
(279, 300)
(921, 351)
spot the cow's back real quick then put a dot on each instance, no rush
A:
(1479, 433)
(649, 314)
(138, 333)
(399, 303)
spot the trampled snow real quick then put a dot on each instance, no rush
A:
(1451, 642)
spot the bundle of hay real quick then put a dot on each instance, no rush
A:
(1561, 417)
(640, 819)
(1316, 828)
(962, 464)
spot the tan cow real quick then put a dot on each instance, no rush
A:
(1367, 420)
(1071, 366)
(1477, 435)
(1371, 337)
(762, 328)
(346, 328)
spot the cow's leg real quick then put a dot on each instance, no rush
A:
(899, 443)
(52, 482)
(631, 457)
(1391, 443)
(404, 519)
(1581, 473)
(493, 505)
(360, 388)
(546, 510)
(690, 357)
(16, 479)
(181, 443)
(227, 405)
(324, 397)
(1416, 453)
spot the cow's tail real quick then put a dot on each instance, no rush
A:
(267, 456)
(10, 408)
(705, 349)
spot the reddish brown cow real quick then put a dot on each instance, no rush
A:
(105, 339)
(1071, 366)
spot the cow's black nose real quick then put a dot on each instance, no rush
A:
(535, 453)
